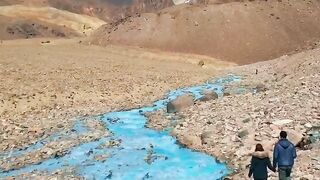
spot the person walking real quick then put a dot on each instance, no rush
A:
(259, 163)
(283, 156)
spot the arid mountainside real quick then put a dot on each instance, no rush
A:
(242, 32)
(19, 21)
(73, 73)
(103, 9)
(57, 18)
(20, 28)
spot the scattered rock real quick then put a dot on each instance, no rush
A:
(45, 42)
(207, 138)
(201, 63)
(294, 136)
(260, 88)
(209, 95)
(282, 122)
(191, 141)
(180, 103)
(243, 133)
(308, 125)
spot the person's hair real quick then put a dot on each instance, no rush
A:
(259, 147)
(283, 134)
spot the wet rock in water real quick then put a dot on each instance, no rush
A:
(114, 143)
(209, 95)
(180, 103)
(102, 158)
(109, 176)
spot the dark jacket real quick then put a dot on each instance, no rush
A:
(259, 163)
(284, 154)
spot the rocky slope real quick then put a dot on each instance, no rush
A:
(282, 94)
(20, 28)
(103, 9)
(22, 19)
(241, 32)
(57, 18)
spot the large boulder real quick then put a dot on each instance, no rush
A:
(294, 136)
(207, 137)
(282, 122)
(209, 95)
(190, 140)
(180, 103)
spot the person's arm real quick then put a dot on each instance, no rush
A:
(270, 166)
(275, 156)
(251, 168)
(294, 152)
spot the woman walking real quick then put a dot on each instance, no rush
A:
(259, 163)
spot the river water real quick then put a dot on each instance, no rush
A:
(141, 153)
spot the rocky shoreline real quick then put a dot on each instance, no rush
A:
(283, 94)
(46, 88)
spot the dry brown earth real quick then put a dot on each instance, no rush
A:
(230, 127)
(21, 28)
(241, 32)
(45, 86)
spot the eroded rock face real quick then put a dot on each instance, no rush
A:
(180, 103)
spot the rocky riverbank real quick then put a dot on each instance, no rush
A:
(46, 87)
(282, 94)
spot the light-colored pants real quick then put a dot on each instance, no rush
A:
(284, 173)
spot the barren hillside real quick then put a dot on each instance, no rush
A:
(103, 9)
(242, 32)
(20, 28)
(81, 24)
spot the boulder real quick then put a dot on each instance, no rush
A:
(243, 133)
(308, 125)
(190, 140)
(180, 103)
(209, 95)
(260, 88)
(282, 122)
(294, 136)
(201, 63)
(207, 138)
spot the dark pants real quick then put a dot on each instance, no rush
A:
(284, 173)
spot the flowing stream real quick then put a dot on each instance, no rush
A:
(141, 153)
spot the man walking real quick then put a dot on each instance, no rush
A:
(283, 156)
